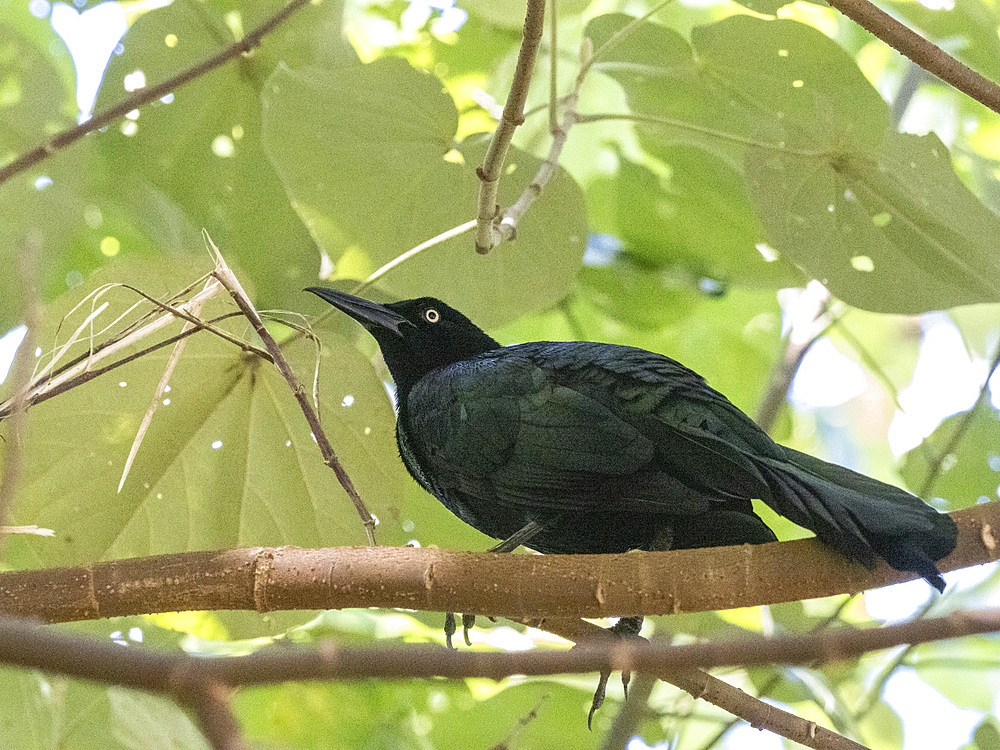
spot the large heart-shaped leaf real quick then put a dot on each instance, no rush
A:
(367, 153)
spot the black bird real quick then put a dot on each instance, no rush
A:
(589, 447)
(586, 447)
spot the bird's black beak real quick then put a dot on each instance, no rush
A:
(369, 314)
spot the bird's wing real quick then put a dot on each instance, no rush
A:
(535, 426)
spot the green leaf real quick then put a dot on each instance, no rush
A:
(987, 735)
(879, 217)
(765, 7)
(28, 719)
(965, 670)
(373, 176)
(792, 90)
(882, 727)
(698, 220)
(197, 162)
(970, 472)
(141, 721)
(48, 201)
(890, 231)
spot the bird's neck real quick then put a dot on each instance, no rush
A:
(408, 367)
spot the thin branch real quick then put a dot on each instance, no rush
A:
(513, 115)
(20, 372)
(514, 735)
(85, 363)
(403, 257)
(147, 95)
(226, 277)
(631, 714)
(209, 702)
(32, 528)
(928, 56)
(508, 224)
(776, 679)
(553, 68)
(913, 79)
(147, 418)
(796, 345)
(27, 645)
(934, 470)
(514, 586)
(701, 685)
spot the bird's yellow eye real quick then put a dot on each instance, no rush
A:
(431, 315)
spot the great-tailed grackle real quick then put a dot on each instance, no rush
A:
(586, 447)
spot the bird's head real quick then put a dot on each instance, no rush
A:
(415, 335)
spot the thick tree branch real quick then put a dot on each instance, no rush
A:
(928, 56)
(146, 95)
(515, 586)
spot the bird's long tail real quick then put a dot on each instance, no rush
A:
(860, 516)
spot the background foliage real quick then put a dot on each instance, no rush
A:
(724, 155)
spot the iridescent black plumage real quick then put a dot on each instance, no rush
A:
(609, 448)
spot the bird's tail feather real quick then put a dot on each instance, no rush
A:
(860, 516)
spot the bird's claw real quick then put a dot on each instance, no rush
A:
(626, 627)
(451, 627)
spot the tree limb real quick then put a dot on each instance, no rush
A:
(515, 586)
(24, 644)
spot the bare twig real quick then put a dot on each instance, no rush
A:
(20, 372)
(228, 279)
(776, 679)
(513, 115)
(87, 375)
(147, 418)
(912, 80)
(553, 68)
(147, 95)
(515, 586)
(84, 365)
(34, 529)
(700, 685)
(403, 257)
(514, 735)
(928, 56)
(633, 710)
(805, 331)
(508, 224)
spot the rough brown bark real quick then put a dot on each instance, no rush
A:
(515, 586)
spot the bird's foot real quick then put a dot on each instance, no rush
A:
(451, 627)
(626, 627)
